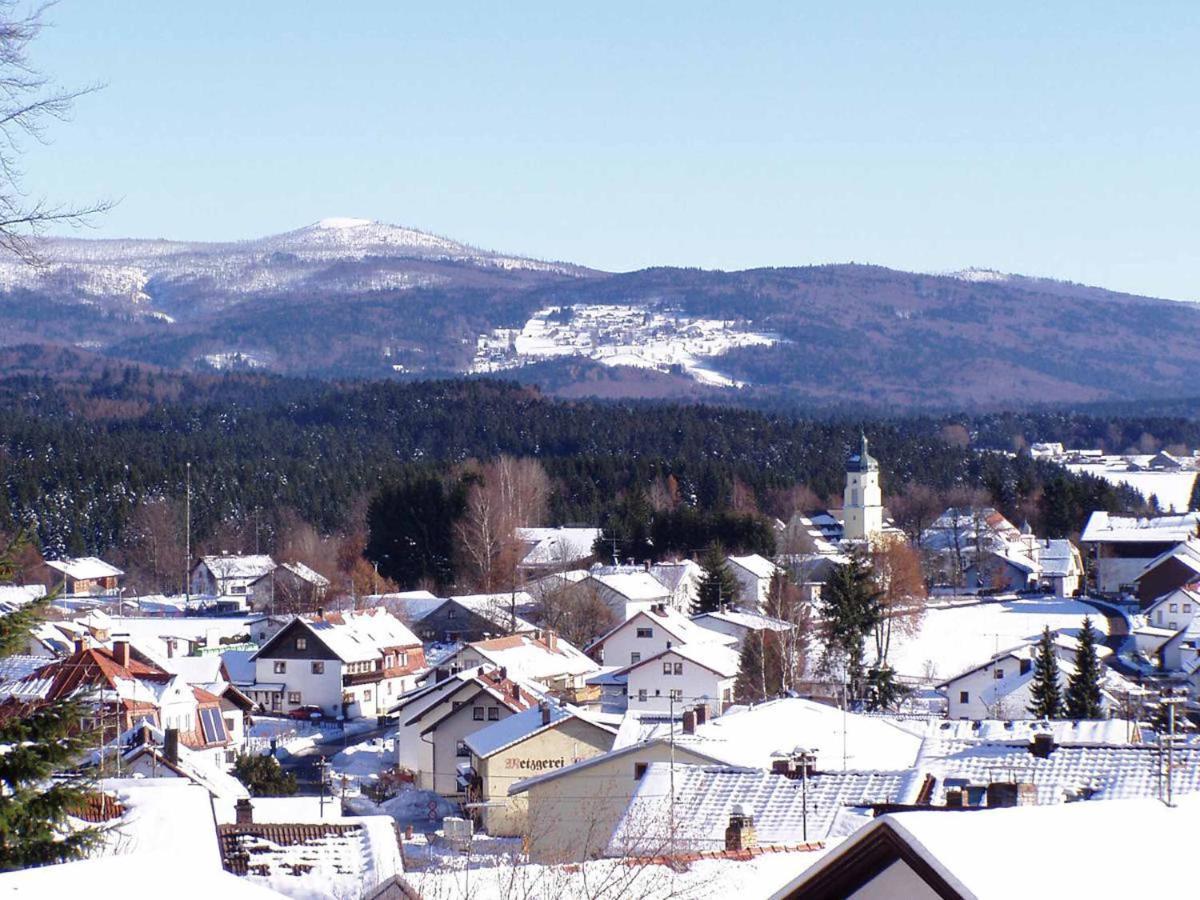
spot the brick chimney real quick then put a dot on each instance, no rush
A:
(516, 691)
(121, 649)
(551, 639)
(954, 798)
(244, 812)
(545, 708)
(701, 714)
(1042, 745)
(171, 745)
(689, 722)
(1007, 793)
(82, 643)
(740, 834)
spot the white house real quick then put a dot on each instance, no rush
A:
(686, 675)
(650, 632)
(626, 589)
(1000, 687)
(349, 664)
(1125, 545)
(1174, 610)
(548, 550)
(738, 624)
(682, 578)
(753, 574)
(223, 575)
(541, 657)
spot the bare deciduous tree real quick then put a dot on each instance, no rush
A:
(508, 494)
(896, 571)
(29, 101)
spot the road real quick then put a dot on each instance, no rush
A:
(306, 765)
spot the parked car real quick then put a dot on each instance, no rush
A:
(307, 713)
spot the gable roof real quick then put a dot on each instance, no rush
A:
(751, 621)
(496, 608)
(1105, 527)
(758, 566)
(637, 585)
(501, 735)
(1187, 553)
(532, 657)
(557, 546)
(675, 623)
(224, 566)
(352, 636)
(304, 573)
(84, 568)
(717, 658)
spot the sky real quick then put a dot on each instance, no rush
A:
(1056, 139)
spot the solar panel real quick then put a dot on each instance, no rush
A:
(213, 725)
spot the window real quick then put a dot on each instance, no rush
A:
(460, 749)
(493, 714)
(229, 725)
(658, 692)
(389, 661)
(1174, 607)
(964, 697)
(998, 674)
(402, 659)
(294, 697)
(639, 770)
(641, 695)
(367, 696)
(645, 632)
(678, 668)
(1173, 624)
(1026, 666)
(451, 613)
(301, 643)
(280, 667)
(635, 657)
(677, 694)
(1187, 607)
(666, 668)
(477, 713)
(318, 668)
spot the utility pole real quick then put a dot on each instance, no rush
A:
(1171, 699)
(671, 805)
(187, 563)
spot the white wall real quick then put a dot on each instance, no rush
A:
(696, 685)
(324, 690)
(1112, 573)
(624, 641)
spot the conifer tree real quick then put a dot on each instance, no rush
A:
(1083, 687)
(851, 607)
(717, 585)
(1044, 691)
(39, 747)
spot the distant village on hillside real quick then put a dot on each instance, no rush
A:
(815, 724)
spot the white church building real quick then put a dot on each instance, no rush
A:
(862, 502)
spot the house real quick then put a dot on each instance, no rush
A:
(350, 664)
(228, 576)
(546, 550)
(1000, 687)
(85, 576)
(689, 807)
(753, 574)
(650, 632)
(475, 617)
(541, 657)
(1171, 569)
(682, 578)
(1175, 609)
(683, 675)
(147, 751)
(291, 585)
(626, 589)
(739, 624)
(434, 721)
(927, 855)
(354, 856)
(573, 811)
(1123, 546)
(547, 736)
(16, 596)
(210, 674)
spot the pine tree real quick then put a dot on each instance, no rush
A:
(42, 745)
(718, 586)
(1083, 688)
(851, 607)
(1044, 691)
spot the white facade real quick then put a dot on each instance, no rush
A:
(673, 681)
(862, 501)
(1176, 610)
(753, 574)
(648, 633)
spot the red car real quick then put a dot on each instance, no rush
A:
(306, 712)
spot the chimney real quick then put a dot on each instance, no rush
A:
(740, 833)
(171, 745)
(121, 649)
(516, 691)
(503, 673)
(144, 735)
(244, 812)
(647, 565)
(701, 714)
(689, 722)
(954, 798)
(545, 708)
(551, 638)
(1008, 793)
(81, 643)
(321, 613)
(781, 767)
(1042, 745)
(170, 648)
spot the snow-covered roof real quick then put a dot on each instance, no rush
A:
(407, 605)
(717, 658)
(758, 566)
(84, 568)
(705, 796)
(304, 573)
(199, 670)
(107, 878)
(1103, 527)
(751, 621)
(638, 585)
(498, 608)
(681, 629)
(1187, 553)
(240, 665)
(1184, 594)
(503, 734)
(356, 636)
(1058, 557)
(557, 546)
(1038, 844)
(15, 596)
(190, 765)
(347, 858)
(250, 566)
(1098, 731)
(532, 658)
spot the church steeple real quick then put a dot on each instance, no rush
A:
(863, 461)
(862, 508)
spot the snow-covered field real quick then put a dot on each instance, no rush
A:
(618, 335)
(952, 639)
(1173, 489)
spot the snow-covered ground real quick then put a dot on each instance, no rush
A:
(951, 639)
(619, 335)
(1173, 489)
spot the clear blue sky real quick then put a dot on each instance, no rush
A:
(1056, 139)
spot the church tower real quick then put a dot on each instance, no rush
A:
(862, 504)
